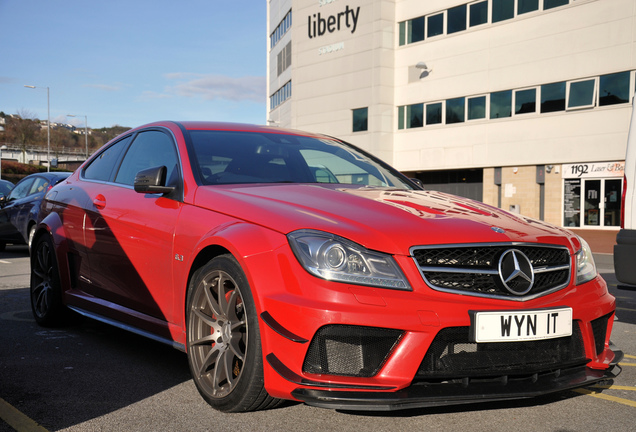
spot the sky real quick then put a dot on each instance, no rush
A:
(131, 62)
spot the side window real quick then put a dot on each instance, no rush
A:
(149, 149)
(21, 190)
(39, 185)
(101, 168)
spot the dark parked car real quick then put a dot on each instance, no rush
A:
(5, 188)
(20, 207)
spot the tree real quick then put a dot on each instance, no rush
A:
(22, 129)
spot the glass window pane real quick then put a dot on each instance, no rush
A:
(525, 101)
(502, 10)
(401, 117)
(455, 110)
(434, 113)
(402, 33)
(581, 94)
(501, 104)
(360, 117)
(478, 13)
(614, 89)
(553, 97)
(526, 6)
(457, 19)
(549, 4)
(477, 108)
(416, 30)
(414, 114)
(435, 25)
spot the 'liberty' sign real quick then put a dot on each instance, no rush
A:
(317, 25)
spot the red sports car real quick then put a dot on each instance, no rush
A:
(295, 266)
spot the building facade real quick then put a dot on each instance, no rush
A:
(523, 104)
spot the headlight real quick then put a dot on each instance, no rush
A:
(585, 267)
(337, 259)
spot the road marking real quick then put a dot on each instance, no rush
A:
(615, 387)
(627, 309)
(18, 421)
(607, 397)
(630, 356)
(5, 262)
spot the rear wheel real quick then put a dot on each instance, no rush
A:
(46, 290)
(223, 341)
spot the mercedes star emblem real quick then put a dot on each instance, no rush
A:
(515, 271)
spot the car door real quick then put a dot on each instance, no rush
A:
(10, 211)
(130, 234)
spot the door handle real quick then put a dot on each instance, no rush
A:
(99, 202)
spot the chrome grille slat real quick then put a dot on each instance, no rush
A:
(472, 269)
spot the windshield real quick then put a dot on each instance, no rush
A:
(223, 157)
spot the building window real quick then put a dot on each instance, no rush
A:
(613, 89)
(280, 30)
(455, 109)
(416, 30)
(549, 4)
(280, 96)
(477, 108)
(414, 114)
(360, 119)
(456, 19)
(580, 94)
(503, 10)
(525, 6)
(478, 13)
(501, 104)
(435, 25)
(434, 113)
(525, 101)
(553, 97)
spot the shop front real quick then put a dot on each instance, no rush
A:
(592, 194)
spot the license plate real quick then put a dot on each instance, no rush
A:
(522, 325)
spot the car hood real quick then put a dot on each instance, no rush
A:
(383, 219)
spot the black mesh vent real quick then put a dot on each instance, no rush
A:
(474, 269)
(599, 328)
(350, 350)
(453, 356)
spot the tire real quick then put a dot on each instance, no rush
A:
(30, 236)
(46, 290)
(223, 341)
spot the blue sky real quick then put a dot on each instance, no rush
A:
(130, 62)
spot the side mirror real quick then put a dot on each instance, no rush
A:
(417, 182)
(152, 180)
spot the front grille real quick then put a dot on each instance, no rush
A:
(350, 350)
(473, 269)
(452, 356)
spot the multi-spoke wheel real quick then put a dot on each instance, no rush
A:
(46, 291)
(224, 350)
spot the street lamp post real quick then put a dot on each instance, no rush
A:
(85, 130)
(4, 147)
(48, 127)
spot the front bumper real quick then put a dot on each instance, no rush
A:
(430, 395)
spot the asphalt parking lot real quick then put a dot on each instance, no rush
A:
(91, 377)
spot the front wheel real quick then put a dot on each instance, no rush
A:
(46, 290)
(223, 341)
